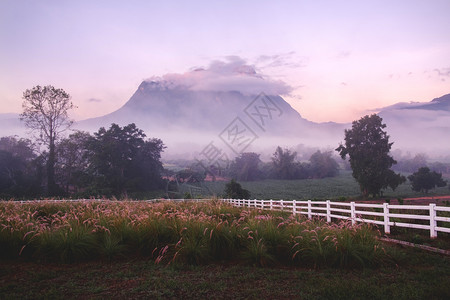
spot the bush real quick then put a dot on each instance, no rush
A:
(234, 190)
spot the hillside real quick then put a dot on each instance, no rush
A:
(181, 116)
(420, 127)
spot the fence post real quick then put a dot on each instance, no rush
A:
(387, 227)
(328, 211)
(281, 204)
(271, 204)
(352, 212)
(309, 209)
(433, 231)
(294, 208)
(255, 202)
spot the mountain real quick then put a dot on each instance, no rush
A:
(180, 116)
(442, 104)
(419, 126)
(188, 119)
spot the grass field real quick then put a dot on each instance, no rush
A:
(193, 233)
(343, 185)
(417, 275)
(138, 250)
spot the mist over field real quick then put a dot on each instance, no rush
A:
(239, 110)
(190, 110)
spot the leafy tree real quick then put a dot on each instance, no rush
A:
(45, 111)
(367, 145)
(234, 190)
(323, 165)
(72, 162)
(283, 164)
(424, 180)
(246, 167)
(22, 148)
(121, 160)
(19, 168)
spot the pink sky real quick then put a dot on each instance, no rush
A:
(339, 58)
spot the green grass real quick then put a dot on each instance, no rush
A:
(418, 275)
(343, 185)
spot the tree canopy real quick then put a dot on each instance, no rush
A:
(424, 180)
(246, 167)
(45, 111)
(368, 147)
(123, 161)
(323, 165)
(72, 162)
(19, 168)
(284, 165)
(234, 190)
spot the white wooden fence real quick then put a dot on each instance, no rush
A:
(430, 216)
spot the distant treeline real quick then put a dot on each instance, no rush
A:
(122, 162)
(249, 167)
(117, 161)
(420, 160)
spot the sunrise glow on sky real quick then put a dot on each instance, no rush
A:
(339, 58)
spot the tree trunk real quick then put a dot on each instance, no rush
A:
(51, 185)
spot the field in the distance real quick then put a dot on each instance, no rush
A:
(343, 185)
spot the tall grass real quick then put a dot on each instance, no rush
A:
(174, 233)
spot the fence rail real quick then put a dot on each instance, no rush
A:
(428, 217)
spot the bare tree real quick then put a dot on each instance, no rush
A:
(45, 112)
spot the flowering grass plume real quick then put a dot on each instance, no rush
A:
(182, 232)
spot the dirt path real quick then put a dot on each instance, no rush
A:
(429, 198)
(441, 199)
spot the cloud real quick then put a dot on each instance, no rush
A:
(443, 72)
(284, 60)
(233, 74)
(343, 54)
(91, 100)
